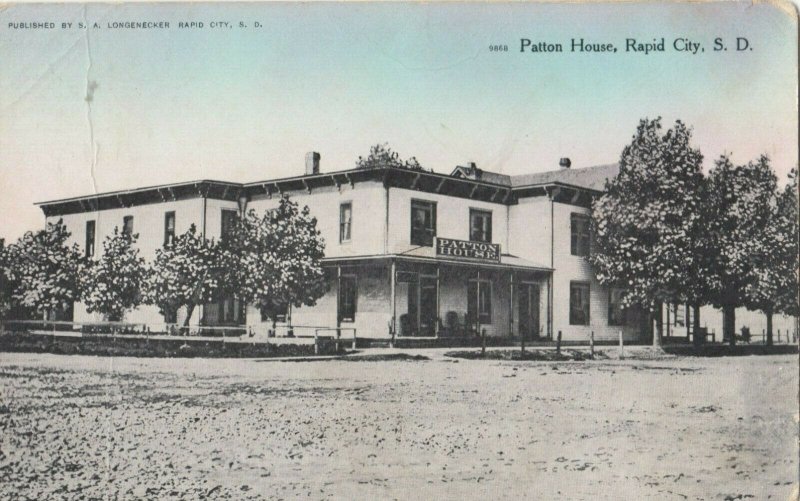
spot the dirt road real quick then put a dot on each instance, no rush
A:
(88, 427)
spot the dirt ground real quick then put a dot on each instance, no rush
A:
(76, 427)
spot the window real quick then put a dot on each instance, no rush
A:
(423, 222)
(579, 229)
(169, 228)
(345, 221)
(127, 225)
(229, 218)
(479, 301)
(171, 317)
(616, 312)
(480, 225)
(578, 303)
(276, 313)
(348, 291)
(89, 247)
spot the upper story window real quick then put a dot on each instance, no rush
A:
(127, 225)
(229, 217)
(423, 222)
(480, 225)
(616, 312)
(169, 228)
(579, 231)
(578, 303)
(90, 233)
(345, 221)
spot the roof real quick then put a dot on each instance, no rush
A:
(507, 261)
(592, 178)
(464, 182)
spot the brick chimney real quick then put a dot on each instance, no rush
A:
(565, 163)
(312, 163)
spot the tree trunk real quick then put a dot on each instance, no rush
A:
(189, 310)
(658, 333)
(729, 324)
(769, 327)
(698, 340)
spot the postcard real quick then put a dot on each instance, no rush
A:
(397, 250)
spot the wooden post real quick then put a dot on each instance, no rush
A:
(483, 342)
(591, 343)
(393, 281)
(437, 320)
(354, 339)
(621, 346)
(558, 343)
(316, 342)
(338, 336)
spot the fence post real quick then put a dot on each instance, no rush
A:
(621, 346)
(316, 342)
(483, 341)
(354, 338)
(558, 344)
(591, 343)
(338, 336)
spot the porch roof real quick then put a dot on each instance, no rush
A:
(428, 255)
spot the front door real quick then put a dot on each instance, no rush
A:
(427, 306)
(529, 311)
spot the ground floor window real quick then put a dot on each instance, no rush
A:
(578, 303)
(274, 313)
(479, 301)
(616, 311)
(348, 292)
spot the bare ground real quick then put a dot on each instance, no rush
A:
(77, 427)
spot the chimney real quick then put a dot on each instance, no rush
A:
(312, 163)
(565, 163)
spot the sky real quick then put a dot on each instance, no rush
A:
(92, 110)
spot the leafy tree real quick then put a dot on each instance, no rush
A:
(741, 206)
(7, 284)
(648, 226)
(278, 258)
(115, 283)
(45, 270)
(789, 220)
(188, 273)
(381, 156)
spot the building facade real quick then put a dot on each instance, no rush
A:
(418, 253)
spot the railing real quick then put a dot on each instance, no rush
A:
(337, 337)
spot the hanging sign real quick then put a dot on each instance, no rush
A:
(448, 247)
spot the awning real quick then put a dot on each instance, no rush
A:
(428, 255)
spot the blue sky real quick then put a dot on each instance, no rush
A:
(243, 105)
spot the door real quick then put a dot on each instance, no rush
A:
(427, 306)
(528, 311)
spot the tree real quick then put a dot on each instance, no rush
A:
(381, 156)
(7, 284)
(46, 271)
(278, 258)
(648, 226)
(741, 203)
(189, 272)
(789, 219)
(115, 283)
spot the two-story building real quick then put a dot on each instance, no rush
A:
(429, 253)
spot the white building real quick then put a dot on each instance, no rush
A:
(433, 254)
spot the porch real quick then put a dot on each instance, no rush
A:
(419, 296)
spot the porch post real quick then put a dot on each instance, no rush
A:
(511, 307)
(393, 282)
(338, 297)
(478, 304)
(550, 296)
(438, 313)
